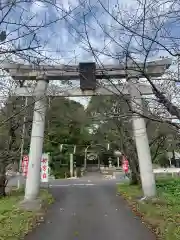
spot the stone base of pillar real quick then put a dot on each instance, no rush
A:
(31, 205)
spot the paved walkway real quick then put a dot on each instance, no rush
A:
(92, 211)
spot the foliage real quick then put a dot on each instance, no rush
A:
(61, 172)
(162, 160)
(163, 138)
(115, 127)
(112, 115)
(65, 124)
(162, 214)
(10, 135)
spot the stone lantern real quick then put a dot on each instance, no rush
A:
(117, 154)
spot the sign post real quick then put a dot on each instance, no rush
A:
(71, 165)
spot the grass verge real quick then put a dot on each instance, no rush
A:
(162, 214)
(16, 223)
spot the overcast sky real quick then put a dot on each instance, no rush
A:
(73, 24)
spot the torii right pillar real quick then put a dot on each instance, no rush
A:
(141, 139)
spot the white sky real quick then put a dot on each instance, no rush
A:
(65, 40)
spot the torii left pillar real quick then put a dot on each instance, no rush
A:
(36, 145)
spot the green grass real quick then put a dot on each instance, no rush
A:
(16, 223)
(161, 214)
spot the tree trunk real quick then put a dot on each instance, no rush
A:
(135, 175)
(130, 151)
(134, 179)
(2, 183)
(2, 175)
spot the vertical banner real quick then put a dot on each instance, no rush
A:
(25, 163)
(125, 164)
(44, 167)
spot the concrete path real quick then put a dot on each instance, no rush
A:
(89, 209)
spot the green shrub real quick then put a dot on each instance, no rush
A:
(61, 172)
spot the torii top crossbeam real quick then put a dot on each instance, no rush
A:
(71, 72)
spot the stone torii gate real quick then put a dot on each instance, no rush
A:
(87, 73)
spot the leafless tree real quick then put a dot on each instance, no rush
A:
(138, 32)
(26, 34)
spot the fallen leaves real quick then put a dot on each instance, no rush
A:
(16, 223)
